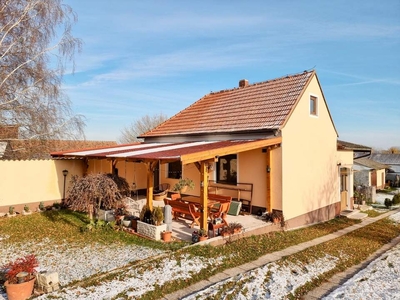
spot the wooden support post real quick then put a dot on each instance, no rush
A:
(269, 208)
(204, 194)
(150, 183)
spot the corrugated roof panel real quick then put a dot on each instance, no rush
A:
(164, 148)
(113, 149)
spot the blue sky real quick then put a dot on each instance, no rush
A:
(147, 57)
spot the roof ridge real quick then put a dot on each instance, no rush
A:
(262, 82)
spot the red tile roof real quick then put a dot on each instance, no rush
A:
(40, 149)
(260, 106)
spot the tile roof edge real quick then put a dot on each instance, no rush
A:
(261, 82)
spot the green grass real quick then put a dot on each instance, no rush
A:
(372, 213)
(65, 226)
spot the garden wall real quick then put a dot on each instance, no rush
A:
(29, 182)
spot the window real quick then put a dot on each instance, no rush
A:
(313, 105)
(227, 169)
(175, 170)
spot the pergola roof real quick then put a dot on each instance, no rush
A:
(186, 152)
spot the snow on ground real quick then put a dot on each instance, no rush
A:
(273, 281)
(380, 280)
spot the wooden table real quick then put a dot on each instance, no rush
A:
(196, 200)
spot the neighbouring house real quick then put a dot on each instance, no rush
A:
(271, 145)
(348, 173)
(13, 148)
(392, 160)
(368, 172)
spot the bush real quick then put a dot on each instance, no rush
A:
(388, 202)
(22, 264)
(396, 199)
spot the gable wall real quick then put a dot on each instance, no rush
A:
(309, 169)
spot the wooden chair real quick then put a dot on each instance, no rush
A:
(220, 212)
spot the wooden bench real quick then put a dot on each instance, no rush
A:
(180, 208)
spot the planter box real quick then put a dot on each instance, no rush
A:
(151, 231)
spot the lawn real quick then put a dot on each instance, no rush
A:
(136, 267)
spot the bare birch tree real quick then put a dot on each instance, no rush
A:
(130, 133)
(33, 58)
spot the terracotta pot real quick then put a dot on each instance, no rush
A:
(19, 291)
(203, 238)
(166, 236)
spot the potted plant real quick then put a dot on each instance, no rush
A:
(276, 217)
(157, 216)
(27, 210)
(20, 277)
(126, 221)
(11, 211)
(166, 236)
(183, 184)
(56, 205)
(236, 227)
(147, 225)
(202, 235)
(226, 231)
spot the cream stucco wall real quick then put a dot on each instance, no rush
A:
(309, 158)
(33, 181)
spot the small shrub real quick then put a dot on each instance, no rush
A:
(22, 264)
(157, 216)
(146, 215)
(396, 199)
(388, 202)
(11, 210)
(26, 208)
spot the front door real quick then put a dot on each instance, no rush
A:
(344, 193)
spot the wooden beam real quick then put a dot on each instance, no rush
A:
(211, 154)
(150, 182)
(204, 194)
(269, 170)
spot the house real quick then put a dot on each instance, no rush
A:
(271, 145)
(368, 172)
(13, 148)
(390, 159)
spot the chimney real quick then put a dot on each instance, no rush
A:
(243, 83)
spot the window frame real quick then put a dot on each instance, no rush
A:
(178, 175)
(229, 180)
(313, 99)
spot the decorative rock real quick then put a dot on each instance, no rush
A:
(47, 282)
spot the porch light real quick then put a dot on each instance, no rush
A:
(268, 169)
(65, 173)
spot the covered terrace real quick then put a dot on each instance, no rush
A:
(203, 154)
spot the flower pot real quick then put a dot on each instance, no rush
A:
(203, 238)
(166, 236)
(19, 291)
(184, 189)
(126, 223)
(134, 224)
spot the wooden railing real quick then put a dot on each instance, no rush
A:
(240, 188)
